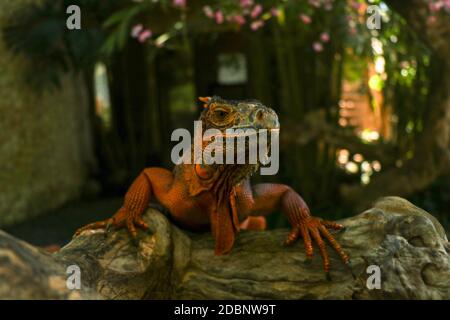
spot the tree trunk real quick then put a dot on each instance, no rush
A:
(406, 243)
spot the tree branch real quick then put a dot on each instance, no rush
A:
(408, 245)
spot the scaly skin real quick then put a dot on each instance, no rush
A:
(221, 197)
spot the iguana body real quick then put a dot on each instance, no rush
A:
(220, 196)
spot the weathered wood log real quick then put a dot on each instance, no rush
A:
(407, 244)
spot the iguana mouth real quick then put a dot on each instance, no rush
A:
(246, 133)
(242, 133)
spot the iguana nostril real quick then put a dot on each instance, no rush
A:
(276, 123)
(265, 119)
(259, 115)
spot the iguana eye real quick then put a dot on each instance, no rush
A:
(221, 114)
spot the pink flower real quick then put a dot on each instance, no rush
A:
(239, 19)
(317, 46)
(275, 12)
(136, 30)
(314, 3)
(305, 18)
(431, 19)
(356, 5)
(246, 3)
(328, 4)
(179, 3)
(447, 4)
(219, 17)
(208, 12)
(144, 36)
(436, 6)
(324, 37)
(256, 25)
(257, 10)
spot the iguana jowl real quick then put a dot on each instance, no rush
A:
(220, 196)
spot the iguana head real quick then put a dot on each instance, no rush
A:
(222, 115)
(237, 114)
(242, 121)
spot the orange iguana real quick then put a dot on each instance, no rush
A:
(220, 196)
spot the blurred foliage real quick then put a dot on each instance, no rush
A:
(436, 199)
(39, 32)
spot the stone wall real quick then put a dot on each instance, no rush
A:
(44, 139)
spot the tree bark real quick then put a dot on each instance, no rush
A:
(405, 242)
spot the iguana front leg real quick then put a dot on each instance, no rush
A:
(151, 182)
(265, 198)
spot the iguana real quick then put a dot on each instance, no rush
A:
(220, 196)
